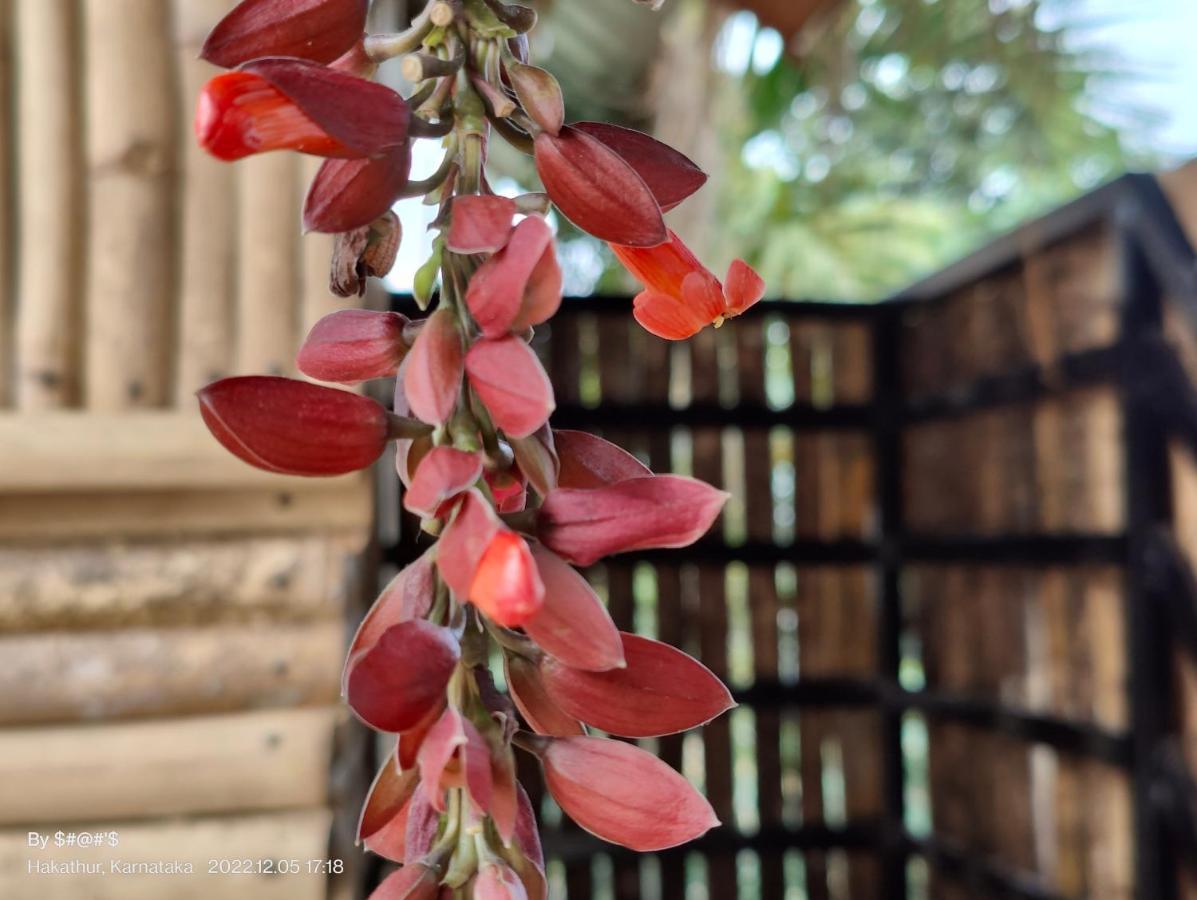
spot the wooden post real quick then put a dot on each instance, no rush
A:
(208, 240)
(50, 209)
(268, 283)
(7, 139)
(130, 152)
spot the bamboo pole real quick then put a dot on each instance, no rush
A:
(268, 259)
(207, 252)
(130, 153)
(6, 128)
(51, 204)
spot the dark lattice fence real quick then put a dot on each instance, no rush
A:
(952, 591)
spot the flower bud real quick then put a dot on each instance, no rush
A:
(539, 94)
(640, 513)
(514, 277)
(315, 30)
(511, 383)
(659, 691)
(506, 586)
(670, 175)
(293, 427)
(537, 459)
(348, 194)
(622, 794)
(596, 190)
(393, 685)
(434, 369)
(353, 345)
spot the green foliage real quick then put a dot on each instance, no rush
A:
(908, 132)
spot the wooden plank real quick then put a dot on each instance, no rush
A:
(83, 676)
(208, 221)
(268, 265)
(300, 835)
(7, 140)
(50, 207)
(209, 512)
(130, 155)
(257, 761)
(133, 451)
(120, 584)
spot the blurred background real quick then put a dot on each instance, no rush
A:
(952, 591)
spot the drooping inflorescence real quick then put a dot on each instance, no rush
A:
(515, 505)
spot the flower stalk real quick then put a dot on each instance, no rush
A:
(514, 504)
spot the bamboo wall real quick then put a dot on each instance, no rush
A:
(171, 622)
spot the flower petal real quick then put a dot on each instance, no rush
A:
(660, 691)
(596, 190)
(443, 474)
(670, 175)
(588, 461)
(506, 586)
(354, 345)
(480, 224)
(512, 384)
(434, 369)
(665, 317)
(543, 294)
(423, 821)
(414, 881)
(496, 292)
(624, 795)
(743, 287)
(659, 511)
(573, 626)
(394, 684)
(383, 823)
(464, 542)
(316, 30)
(498, 882)
(294, 427)
(539, 94)
(537, 460)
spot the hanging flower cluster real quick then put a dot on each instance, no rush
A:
(515, 504)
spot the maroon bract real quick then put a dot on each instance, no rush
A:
(316, 30)
(395, 683)
(293, 427)
(354, 345)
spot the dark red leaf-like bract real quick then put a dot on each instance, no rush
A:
(573, 626)
(596, 190)
(293, 427)
(658, 511)
(538, 709)
(670, 175)
(393, 685)
(347, 194)
(660, 691)
(588, 461)
(383, 823)
(623, 794)
(315, 30)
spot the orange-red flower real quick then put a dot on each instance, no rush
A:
(681, 296)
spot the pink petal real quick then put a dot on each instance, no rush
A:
(512, 384)
(383, 823)
(442, 474)
(481, 224)
(743, 287)
(588, 461)
(464, 542)
(423, 821)
(624, 795)
(496, 291)
(394, 684)
(293, 427)
(434, 369)
(542, 296)
(573, 626)
(498, 882)
(415, 881)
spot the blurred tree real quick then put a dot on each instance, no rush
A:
(900, 134)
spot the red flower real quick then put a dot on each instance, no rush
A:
(291, 104)
(681, 296)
